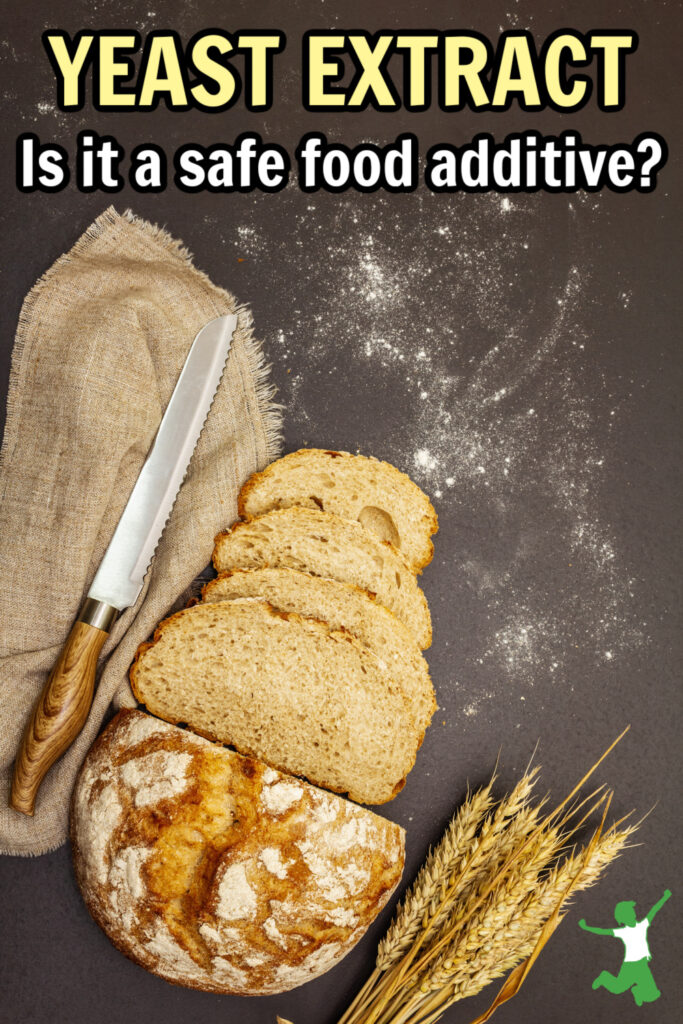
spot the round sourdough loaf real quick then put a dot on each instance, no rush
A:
(216, 872)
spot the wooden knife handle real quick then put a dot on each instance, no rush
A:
(63, 705)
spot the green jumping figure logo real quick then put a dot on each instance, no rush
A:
(635, 973)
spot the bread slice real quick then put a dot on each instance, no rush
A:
(216, 872)
(341, 606)
(288, 690)
(326, 545)
(375, 493)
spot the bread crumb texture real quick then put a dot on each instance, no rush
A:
(324, 544)
(219, 873)
(374, 493)
(343, 607)
(288, 690)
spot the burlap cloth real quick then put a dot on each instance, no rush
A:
(101, 340)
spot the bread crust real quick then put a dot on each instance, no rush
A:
(428, 516)
(225, 876)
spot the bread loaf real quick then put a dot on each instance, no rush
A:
(216, 872)
(325, 545)
(378, 495)
(341, 606)
(291, 691)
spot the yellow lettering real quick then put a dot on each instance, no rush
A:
(111, 69)
(206, 65)
(611, 46)
(163, 49)
(516, 51)
(553, 79)
(417, 47)
(372, 77)
(319, 69)
(69, 69)
(470, 71)
(258, 84)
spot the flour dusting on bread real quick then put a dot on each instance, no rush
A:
(216, 872)
(168, 772)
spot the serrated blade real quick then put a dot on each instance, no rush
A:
(119, 579)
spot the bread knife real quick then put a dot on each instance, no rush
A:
(64, 704)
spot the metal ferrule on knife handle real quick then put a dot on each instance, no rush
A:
(63, 707)
(98, 614)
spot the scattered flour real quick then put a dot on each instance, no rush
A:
(428, 339)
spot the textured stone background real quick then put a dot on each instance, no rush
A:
(519, 357)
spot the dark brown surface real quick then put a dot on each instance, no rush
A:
(597, 576)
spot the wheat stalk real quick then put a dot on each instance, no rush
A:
(512, 820)
(495, 913)
(491, 918)
(442, 864)
(488, 897)
(410, 964)
(520, 934)
(484, 847)
(445, 863)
